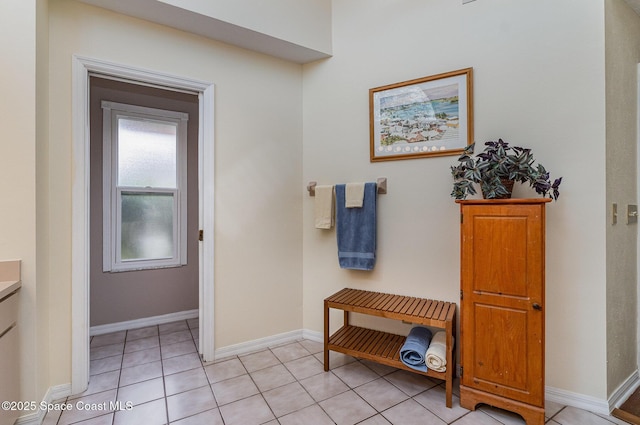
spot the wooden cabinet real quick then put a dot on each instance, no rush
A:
(502, 305)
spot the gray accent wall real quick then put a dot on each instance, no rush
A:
(124, 296)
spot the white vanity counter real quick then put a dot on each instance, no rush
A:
(9, 277)
(8, 287)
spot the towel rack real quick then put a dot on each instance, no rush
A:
(381, 184)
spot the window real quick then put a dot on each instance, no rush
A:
(144, 187)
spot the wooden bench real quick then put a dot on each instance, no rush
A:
(383, 347)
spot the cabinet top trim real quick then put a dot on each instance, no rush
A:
(503, 201)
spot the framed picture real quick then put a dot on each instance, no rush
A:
(430, 116)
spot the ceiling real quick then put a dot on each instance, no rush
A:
(164, 12)
(160, 11)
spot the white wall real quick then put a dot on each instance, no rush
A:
(539, 82)
(20, 26)
(258, 128)
(42, 334)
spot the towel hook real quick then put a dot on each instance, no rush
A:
(381, 185)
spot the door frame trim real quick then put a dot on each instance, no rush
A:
(638, 197)
(81, 68)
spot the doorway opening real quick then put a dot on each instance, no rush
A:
(83, 70)
(143, 202)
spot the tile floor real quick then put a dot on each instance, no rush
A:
(157, 376)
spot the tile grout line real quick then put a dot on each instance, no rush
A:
(357, 394)
(164, 384)
(210, 385)
(124, 349)
(551, 418)
(300, 384)
(201, 366)
(258, 388)
(409, 397)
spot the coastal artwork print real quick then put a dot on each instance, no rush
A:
(429, 116)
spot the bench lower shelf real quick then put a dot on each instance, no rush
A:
(383, 347)
(378, 346)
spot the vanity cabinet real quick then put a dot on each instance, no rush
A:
(502, 305)
(9, 341)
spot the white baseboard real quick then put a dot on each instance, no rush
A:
(624, 391)
(581, 401)
(258, 344)
(53, 394)
(35, 418)
(593, 404)
(144, 322)
(313, 335)
(58, 393)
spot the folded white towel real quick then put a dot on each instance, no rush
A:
(354, 195)
(436, 357)
(324, 207)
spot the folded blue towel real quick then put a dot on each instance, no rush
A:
(413, 351)
(356, 230)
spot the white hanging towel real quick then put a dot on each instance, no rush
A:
(354, 195)
(324, 207)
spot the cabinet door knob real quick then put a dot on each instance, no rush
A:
(537, 306)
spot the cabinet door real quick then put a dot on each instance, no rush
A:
(9, 378)
(503, 296)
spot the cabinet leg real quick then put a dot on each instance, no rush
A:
(470, 398)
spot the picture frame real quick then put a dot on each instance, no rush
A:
(425, 117)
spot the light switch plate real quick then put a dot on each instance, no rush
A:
(632, 214)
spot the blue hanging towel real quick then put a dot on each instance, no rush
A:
(356, 230)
